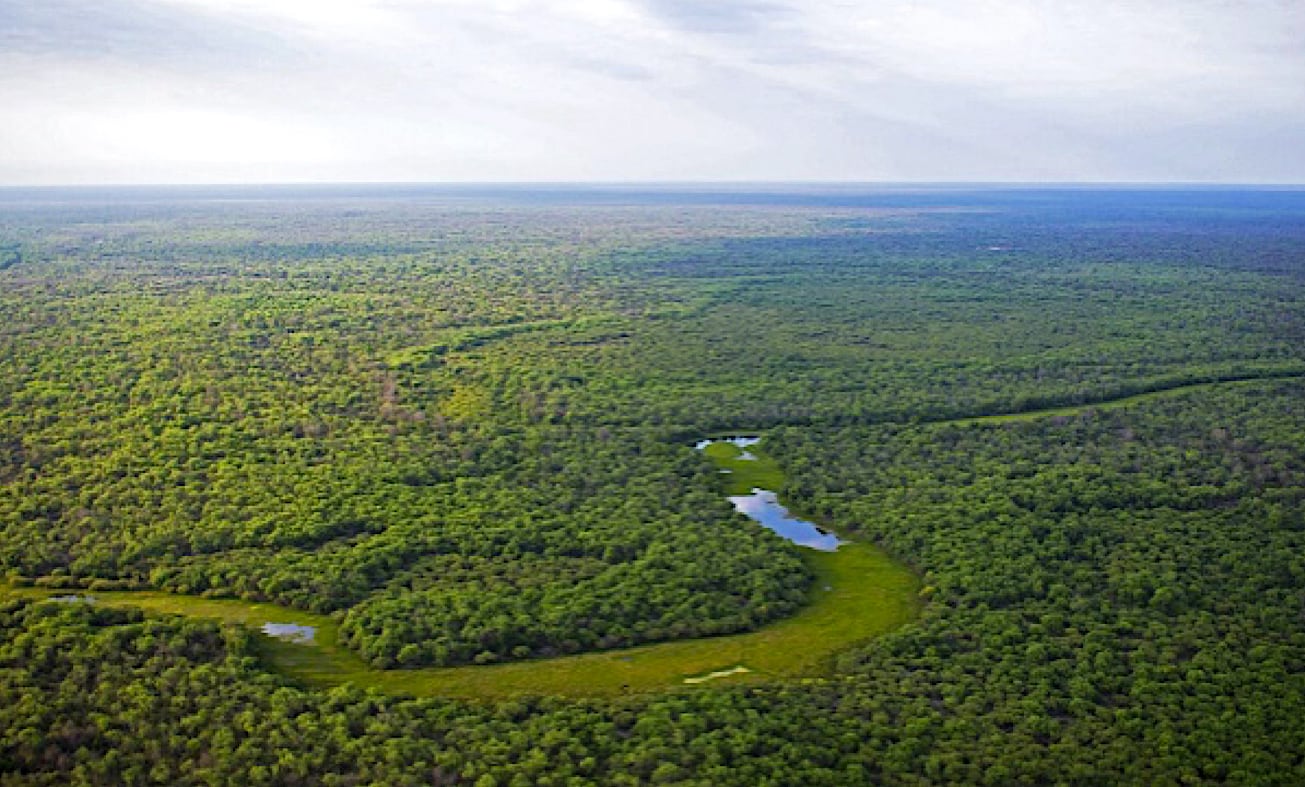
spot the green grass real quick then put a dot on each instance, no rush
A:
(300, 661)
(859, 592)
(745, 474)
(1123, 401)
(868, 594)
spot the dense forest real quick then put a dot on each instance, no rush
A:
(462, 423)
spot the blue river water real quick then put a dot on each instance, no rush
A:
(763, 507)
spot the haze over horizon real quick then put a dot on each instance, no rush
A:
(332, 91)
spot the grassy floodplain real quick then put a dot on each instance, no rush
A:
(859, 592)
(1258, 378)
(744, 474)
(869, 594)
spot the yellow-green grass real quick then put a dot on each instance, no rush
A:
(1123, 401)
(324, 656)
(868, 594)
(744, 474)
(859, 592)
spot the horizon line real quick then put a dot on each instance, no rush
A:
(666, 183)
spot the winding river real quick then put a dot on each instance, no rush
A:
(859, 593)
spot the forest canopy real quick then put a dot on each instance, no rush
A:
(464, 427)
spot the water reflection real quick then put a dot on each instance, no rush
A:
(741, 442)
(291, 632)
(763, 507)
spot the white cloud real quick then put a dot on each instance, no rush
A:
(186, 90)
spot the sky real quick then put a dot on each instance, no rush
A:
(233, 91)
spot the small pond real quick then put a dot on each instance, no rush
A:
(763, 507)
(72, 599)
(291, 632)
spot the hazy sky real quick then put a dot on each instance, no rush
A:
(152, 91)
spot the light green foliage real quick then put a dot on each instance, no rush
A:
(861, 593)
(467, 426)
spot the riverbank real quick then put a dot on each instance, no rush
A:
(859, 593)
